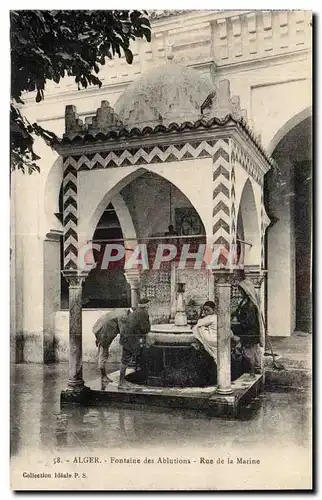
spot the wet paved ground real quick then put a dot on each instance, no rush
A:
(37, 422)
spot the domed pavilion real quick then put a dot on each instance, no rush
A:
(173, 162)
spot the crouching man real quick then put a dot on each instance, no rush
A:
(105, 330)
(133, 329)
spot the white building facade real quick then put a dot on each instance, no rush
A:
(267, 58)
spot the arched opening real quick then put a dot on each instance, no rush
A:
(156, 204)
(53, 201)
(247, 227)
(102, 290)
(93, 206)
(152, 205)
(287, 127)
(288, 200)
(240, 239)
(106, 288)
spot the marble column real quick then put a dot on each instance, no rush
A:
(256, 276)
(222, 281)
(173, 293)
(132, 276)
(75, 280)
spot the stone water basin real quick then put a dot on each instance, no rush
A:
(170, 334)
(173, 358)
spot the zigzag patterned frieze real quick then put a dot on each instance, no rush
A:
(221, 188)
(70, 249)
(70, 232)
(155, 154)
(220, 206)
(221, 170)
(233, 206)
(222, 154)
(218, 150)
(70, 263)
(69, 185)
(70, 169)
(222, 241)
(238, 154)
(70, 201)
(233, 176)
(220, 224)
(221, 193)
(70, 215)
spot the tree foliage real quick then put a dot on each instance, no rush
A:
(48, 45)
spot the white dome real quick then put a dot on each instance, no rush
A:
(170, 93)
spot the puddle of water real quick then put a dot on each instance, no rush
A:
(274, 417)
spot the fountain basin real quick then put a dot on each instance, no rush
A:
(173, 357)
(171, 328)
(170, 334)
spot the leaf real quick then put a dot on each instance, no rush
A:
(21, 39)
(65, 56)
(147, 34)
(49, 44)
(128, 56)
(83, 36)
(66, 30)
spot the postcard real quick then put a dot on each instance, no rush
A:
(160, 250)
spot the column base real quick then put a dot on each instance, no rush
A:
(79, 395)
(224, 391)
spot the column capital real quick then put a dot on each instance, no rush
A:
(75, 277)
(225, 277)
(132, 276)
(256, 276)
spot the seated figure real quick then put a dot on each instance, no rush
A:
(206, 328)
(205, 332)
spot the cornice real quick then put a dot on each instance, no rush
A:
(195, 16)
(159, 14)
(176, 135)
(156, 139)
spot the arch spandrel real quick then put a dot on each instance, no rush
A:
(108, 183)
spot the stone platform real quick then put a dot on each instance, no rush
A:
(204, 399)
(294, 354)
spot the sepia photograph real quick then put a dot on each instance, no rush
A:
(161, 250)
